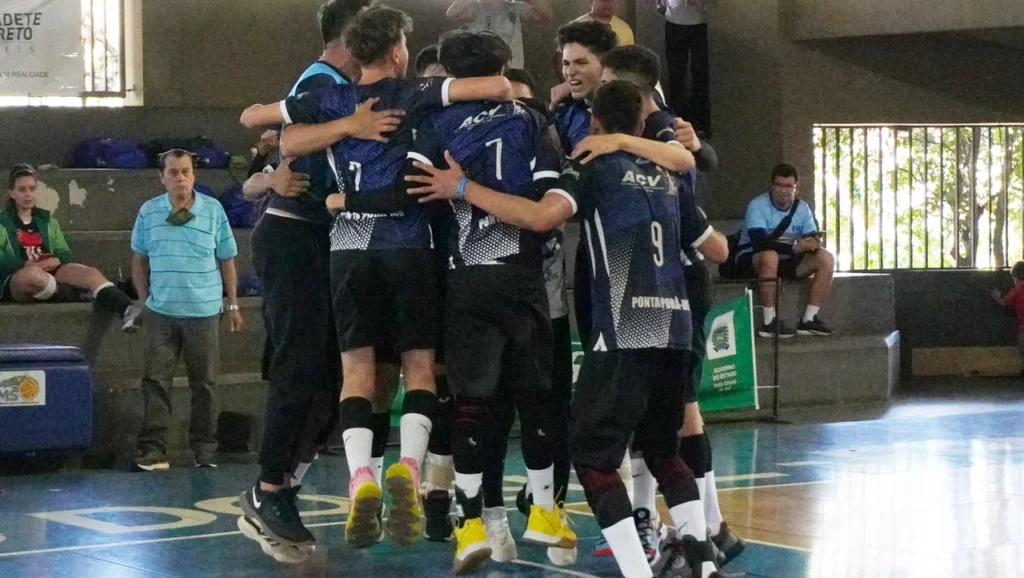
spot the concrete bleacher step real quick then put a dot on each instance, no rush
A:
(111, 251)
(859, 303)
(833, 370)
(109, 200)
(115, 355)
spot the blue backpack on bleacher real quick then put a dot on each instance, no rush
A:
(242, 213)
(109, 153)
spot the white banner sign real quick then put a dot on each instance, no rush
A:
(41, 48)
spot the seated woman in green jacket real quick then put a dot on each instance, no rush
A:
(35, 257)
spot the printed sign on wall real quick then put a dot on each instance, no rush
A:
(22, 388)
(41, 48)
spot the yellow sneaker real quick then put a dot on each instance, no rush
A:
(471, 547)
(362, 528)
(549, 527)
(405, 522)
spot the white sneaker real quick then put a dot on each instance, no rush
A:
(499, 536)
(562, 556)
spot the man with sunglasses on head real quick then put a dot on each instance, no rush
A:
(183, 270)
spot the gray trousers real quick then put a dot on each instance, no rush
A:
(167, 339)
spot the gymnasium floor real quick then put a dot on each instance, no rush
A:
(916, 494)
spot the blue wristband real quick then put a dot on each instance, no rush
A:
(460, 193)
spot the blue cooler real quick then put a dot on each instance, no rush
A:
(45, 398)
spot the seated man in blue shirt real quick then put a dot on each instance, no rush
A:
(795, 252)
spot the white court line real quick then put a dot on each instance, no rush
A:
(552, 568)
(743, 477)
(807, 463)
(767, 486)
(797, 548)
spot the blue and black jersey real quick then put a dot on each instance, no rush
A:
(631, 228)
(311, 206)
(572, 120)
(366, 167)
(502, 146)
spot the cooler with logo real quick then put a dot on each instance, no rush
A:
(45, 398)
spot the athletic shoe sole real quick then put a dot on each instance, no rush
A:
(813, 333)
(767, 335)
(563, 557)
(476, 557)
(362, 529)
(405, 520)
(283, 554)
(250, 512)
(151, 467)
(546, 540)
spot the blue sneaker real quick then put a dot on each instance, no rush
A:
(602, 548)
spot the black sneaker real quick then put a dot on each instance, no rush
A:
(684, 558)
(149, 461)
(649, 537)
(276, 516)
(437, 507)
(815, 327)
(776, 326)
(729, 544)
(523, 502)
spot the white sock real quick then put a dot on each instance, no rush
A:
(769, 315)
(438, 473)
(712, 512)
(644, 488)
(415, 430)
(469, 484)
(543, 484)
(688, 519)
(702, 488)
(97, 290)
(48, 291)
(627, 549)
(377, 467)
(812, 310)
(300, 472)
(625, 472)
(358, 448)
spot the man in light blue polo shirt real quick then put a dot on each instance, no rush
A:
(795, 252)
(183, 267)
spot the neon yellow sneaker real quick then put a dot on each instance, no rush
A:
(549, 527)
(471, 547)
(405, 522)
(362, 528)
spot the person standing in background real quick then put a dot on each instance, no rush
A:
(604, 11)
(183, 269)
(503, 17)
(686, 49)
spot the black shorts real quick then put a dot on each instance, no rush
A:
(385, 299)
(787, 267)
(623, 393)
(497, 326)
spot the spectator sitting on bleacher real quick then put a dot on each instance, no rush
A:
(35, 260)
(780, 238)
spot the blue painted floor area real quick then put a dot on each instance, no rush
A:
(900, 498)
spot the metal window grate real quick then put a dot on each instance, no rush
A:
(921, 197)
(103, 31)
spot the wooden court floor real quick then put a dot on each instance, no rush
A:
(899, 498)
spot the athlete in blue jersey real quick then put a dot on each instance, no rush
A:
(382, 269)
(291, 256)
(498, 330)
(641, 67)
(641, 318)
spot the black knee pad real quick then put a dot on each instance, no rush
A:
(356, 412)
(606, 495)
(470, 440)
(675, 479)
(381, 433)
(441, 431)
(693, 450)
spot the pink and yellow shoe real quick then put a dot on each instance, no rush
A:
(405, 520)
(362, 528)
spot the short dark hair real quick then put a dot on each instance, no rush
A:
(636, 64)
(522, 77)
(18, 171)
(617, 106)
(465, 54)
(595, 36)
(174, 154)
(375, 32)
(785, 171)
(334, 16)
(1018, 270)
(426, 58)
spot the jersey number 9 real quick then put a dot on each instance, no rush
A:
(657, 239)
